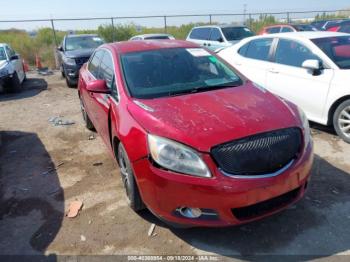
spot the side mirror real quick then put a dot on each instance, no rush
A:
(220, 40)
(60, 48)
(14, 57)
(312, 65)
(98, 86)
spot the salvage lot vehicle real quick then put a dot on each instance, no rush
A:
(285, 28)
(11, 69)
(74, 52)
(152, 37)
(218, 36)
(310, 69)
(343, 27)
(195, 141)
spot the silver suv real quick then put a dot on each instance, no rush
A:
(218, 36)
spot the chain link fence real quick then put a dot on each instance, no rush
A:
(46, 34)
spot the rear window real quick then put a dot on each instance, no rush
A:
(259, 49)
(236, 33)
(174, 71)
(157, 37)
(200, 33)
(305, 28)
(273, 30)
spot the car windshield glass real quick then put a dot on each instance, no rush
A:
(337, 49)
(83, 42)
(2, 54)
(175, 71)
(236, 33)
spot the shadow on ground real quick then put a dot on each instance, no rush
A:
(317, 226)
(31, 198)
(31, 87)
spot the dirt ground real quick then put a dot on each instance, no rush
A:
(44, 167)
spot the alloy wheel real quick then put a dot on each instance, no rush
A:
(344, 121)
(124, 172)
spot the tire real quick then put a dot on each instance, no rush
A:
(88, 124)
(128, 179)
(14, 85)
(70, 84)
(62, 72)
(341, 121)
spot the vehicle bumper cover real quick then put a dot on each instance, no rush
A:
(164, 191)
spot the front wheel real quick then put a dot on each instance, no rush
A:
(128, 178)
(341, 121)
(14, 84)
(88, 124)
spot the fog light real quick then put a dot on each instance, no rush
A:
(190, 212)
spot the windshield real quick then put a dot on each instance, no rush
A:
(175, 71)
(2, 54)
(83, 42)
(337, 49)
(236, 33)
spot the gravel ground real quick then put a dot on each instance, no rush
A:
(44, 167)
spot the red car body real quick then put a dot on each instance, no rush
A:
(200, 121)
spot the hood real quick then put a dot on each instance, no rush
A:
(203, 120)
(79, 53)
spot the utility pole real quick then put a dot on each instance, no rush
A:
(244, 13)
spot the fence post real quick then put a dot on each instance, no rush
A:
(210, 20)
(54, 33)
(56, 44)
(113, 29)
(165, 25)
(250, 21)
(288, 18)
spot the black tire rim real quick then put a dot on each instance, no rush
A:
(124, 172)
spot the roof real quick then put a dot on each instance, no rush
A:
(80, 35)
(150, 35)
(145, 45)
(310, 34)
(3, 44)
(221, 26)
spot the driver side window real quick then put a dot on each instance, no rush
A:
(292, 53)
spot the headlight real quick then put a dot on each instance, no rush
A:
(306, 126)
(69, 61)
(4, 71)
(176, 157)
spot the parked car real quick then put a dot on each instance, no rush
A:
(285, 28)
(12, 72)
(324, 25)
(152, 37)
(197, 143)
(217, 37)
(343, 27)
(74, 51)
(310, 69)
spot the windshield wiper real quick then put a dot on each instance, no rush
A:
(203, 89)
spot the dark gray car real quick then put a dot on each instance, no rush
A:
(74, 52)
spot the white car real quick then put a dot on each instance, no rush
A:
(310, 69)
(11, 69)
(152, 37)
(217, 37)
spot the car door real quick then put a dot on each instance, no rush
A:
(16, 62)
(102, 102)
(92, 74)
(216, 39)
(200, 36)
(253, 59)
(288, 79)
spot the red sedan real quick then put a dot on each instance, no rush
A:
(197, 143)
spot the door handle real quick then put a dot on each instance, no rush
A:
(273, 71)
(238, 64)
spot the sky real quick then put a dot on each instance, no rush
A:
(44, 9)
